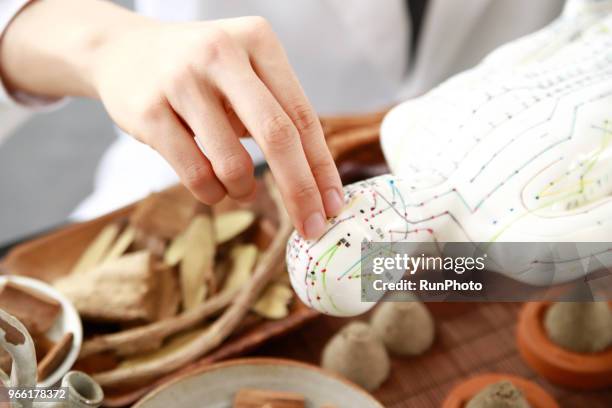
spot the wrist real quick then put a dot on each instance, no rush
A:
(100, 48)
(40, 59)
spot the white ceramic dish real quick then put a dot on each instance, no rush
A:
(67, 321)
(216, 385)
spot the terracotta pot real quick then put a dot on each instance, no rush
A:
(536, 396)
(581, 371)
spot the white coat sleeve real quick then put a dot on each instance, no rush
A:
(16, 107)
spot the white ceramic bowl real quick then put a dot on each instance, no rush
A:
(215, 386)
(68, 320)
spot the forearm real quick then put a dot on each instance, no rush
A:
(50, 48)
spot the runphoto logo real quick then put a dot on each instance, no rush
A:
(405, 262)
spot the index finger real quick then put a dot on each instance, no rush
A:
(280, 142)
(272, 67)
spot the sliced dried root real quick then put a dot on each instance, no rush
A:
(242, 259)
(197, 275)
(165, 214)
(55, 356)
(175, 343)
(225, 325)
(176, 250)
(120, 291)
(156, 245)
(231, 224)
(149, 337)
(37, 311)
(167, 294)
(227, 226)
(121, 244)
(254, 398)
(97, 250)
(274, 302)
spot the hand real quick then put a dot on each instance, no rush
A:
(168, 83)
(219, 80)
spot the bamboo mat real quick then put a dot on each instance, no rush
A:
(471, 339)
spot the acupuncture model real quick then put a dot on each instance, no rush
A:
(517, 149)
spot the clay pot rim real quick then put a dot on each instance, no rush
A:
(532, 338)
(536, 396)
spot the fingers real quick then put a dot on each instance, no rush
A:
(272, 66)
(280, 141)
(236, 86)
(288, 92)
(236, 123)
(205, 115)
(168, 136)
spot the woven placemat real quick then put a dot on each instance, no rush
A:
(471, 338)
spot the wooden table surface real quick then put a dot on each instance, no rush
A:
(471, 338)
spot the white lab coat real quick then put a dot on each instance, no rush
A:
(350, 56)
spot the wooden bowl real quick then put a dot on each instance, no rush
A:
(580, 371)
(214, 386)
(535, 395)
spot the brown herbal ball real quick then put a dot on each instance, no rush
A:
(502, 394)
(406, 328)
(356, 353)
(582, 327)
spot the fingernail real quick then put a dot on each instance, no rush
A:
(314, 226)
(333, 202)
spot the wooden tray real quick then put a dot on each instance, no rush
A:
(52, 256)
